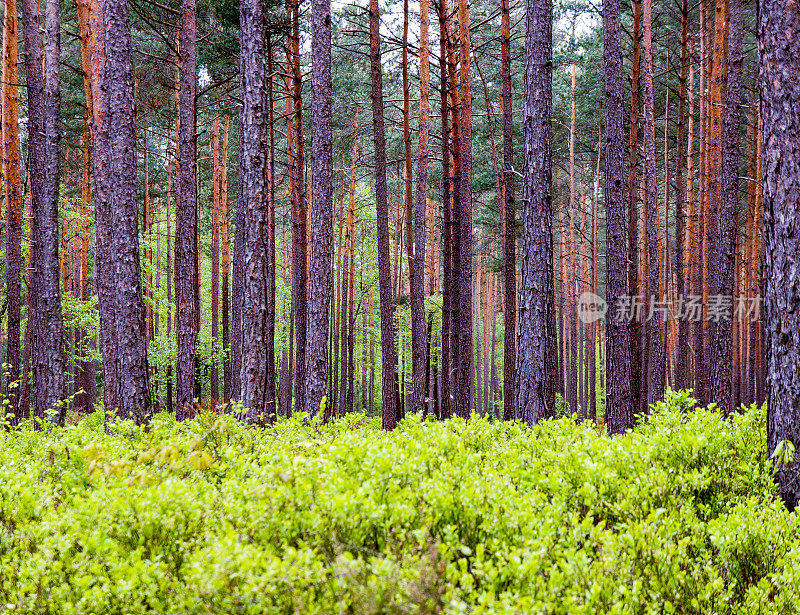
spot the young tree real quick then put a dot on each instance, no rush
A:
(536, 373)
(320, 274)
(132, 370)
(417, 280)
(619, 409)
(780, 91)
(389, 359)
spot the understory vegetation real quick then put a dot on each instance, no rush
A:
(478, 516)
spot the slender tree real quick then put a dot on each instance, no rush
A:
(417, 262)
(13, 196)
(389, 356)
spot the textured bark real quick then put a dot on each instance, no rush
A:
(417, 260)
(389, 356)
(12, 191)
(186, 272)
(408, 198)
(215, 253)
(345, 288)
(682, 380)
(226, 258)
(638, 391)
(320, 275)
(132, 370)
(535, 383)
(655, 323)
(620, 410)
(299, 213)
(44, 103)
(253, 169)
(723, 226)
(270, 410)
(463, 380)
(779, 63)
(508, 217)
(722, 271)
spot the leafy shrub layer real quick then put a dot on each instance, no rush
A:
(463, 516)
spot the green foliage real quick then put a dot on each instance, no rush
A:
(678, 516)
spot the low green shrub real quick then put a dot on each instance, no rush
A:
(478, 516)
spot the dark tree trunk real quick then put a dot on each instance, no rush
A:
(655, 322)
(271, 410)
(44, 104)
(536, 370)
(447, 218)
(132, 370)
(509, 218)
(320, 276)
(463, 390)
(215, 253)
(389, 356)
(619, 408)
(253, 165)
(186, 308)
(778, 25)
(417, 280)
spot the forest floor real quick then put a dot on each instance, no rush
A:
(459, 516)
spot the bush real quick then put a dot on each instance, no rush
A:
(679, 516)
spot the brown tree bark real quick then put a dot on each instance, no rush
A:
(271, 409)
(12, 187)
(417, 256)
(508, 217)
(389, 356)
(536, 377)
(132, 370)
(320, 274)
(778, 28)
(186, 271)
(215, 253)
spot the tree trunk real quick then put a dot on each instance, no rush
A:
(132, 370)
(186, 218)
(535, 383)
(389, 356)
(215, 250)
(13, 196)
(270, 410)
(417, 260)
(320, 274)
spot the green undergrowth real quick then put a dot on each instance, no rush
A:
(679, 516)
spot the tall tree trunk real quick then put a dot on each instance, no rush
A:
(253, 165)
(299, 213)
(44, 105)
(778, 27)
(417, 260)
(620, 398)
(655, 325)
(215, 250)
(463, 390)
(638, 352)
(389, 356)
(320, 274)
(682, 343)
(226, 259)
(13, 196)
(186, 218)
(508, 216)
(132, 370)
(270, 410)
(536, 377)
